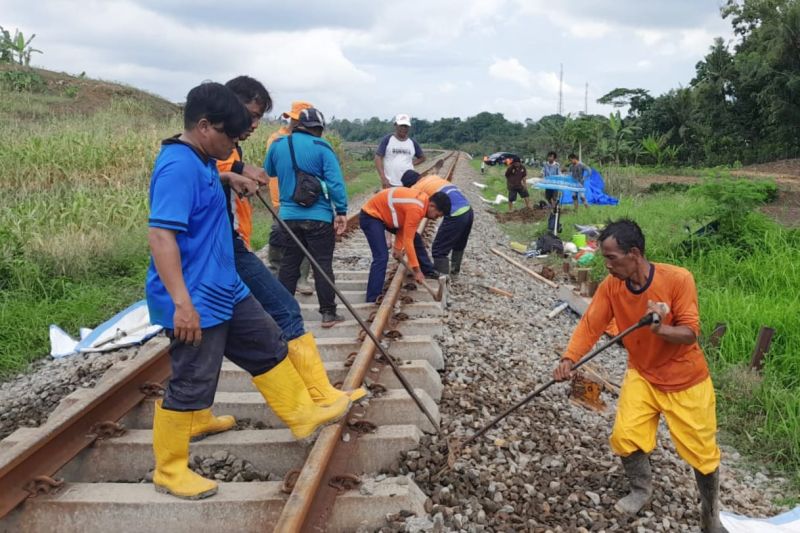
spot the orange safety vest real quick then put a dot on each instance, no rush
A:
(402, 209)
(241, 208)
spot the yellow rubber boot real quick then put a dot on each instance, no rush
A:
(205, 423)
(305, 357)
(284, 390)
(171, 433)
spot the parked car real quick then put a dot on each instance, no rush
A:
(499, 158)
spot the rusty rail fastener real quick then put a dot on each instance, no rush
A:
(107, 430)
(362, 426)
(42, 485)
(289, 481)
(344, 482)
(151, 389)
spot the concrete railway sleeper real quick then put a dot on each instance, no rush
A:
(97, 480)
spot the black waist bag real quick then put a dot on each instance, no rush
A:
(307, 187)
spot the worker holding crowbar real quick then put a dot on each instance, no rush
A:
(667, 372)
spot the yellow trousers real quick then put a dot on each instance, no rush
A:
(690, 414)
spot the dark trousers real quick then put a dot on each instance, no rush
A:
(269, 292)
(319, 239)
(453, 235)
(251, 339)
(374, 229)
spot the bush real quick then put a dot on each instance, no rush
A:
(22, 81)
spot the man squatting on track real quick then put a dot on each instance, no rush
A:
(195, 293)
(667, 371)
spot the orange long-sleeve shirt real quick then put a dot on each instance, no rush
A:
(403, 209)
(430, 184)
(274, 193)
(241, 208)
(670, 367)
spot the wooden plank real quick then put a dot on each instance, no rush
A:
(525, 269)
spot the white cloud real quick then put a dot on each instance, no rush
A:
(447, 87)
(512, 70)
(650, 37)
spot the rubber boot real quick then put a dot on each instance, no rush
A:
(442, 265)
(455, 262)
(274, 258)
(708, 485)
(284, 390)
(171, 433)
(305, 357)
(205, 424)
(303, 286)
(637, 469)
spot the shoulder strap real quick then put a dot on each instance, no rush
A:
(291, 152)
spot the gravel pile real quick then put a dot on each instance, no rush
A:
(547, 467)
(26, 400)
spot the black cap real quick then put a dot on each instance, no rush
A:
(410, 177)
(312, 118)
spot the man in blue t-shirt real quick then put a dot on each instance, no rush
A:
(315, 225)
(193, 290)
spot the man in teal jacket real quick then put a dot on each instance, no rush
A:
(318, 224)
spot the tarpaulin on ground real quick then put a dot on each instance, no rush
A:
(595, 190)
(788, 522)
(126, 328)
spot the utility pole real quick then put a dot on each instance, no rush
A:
(586, 100)
(561, 90)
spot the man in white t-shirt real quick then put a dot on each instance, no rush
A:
(396, 153)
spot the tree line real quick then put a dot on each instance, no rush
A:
(742, 106)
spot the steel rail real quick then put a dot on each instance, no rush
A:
(295, 512)
(66, 434)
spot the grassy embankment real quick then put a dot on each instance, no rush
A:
(747, 277)
(76, 160)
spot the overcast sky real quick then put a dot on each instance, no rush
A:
(360, 58)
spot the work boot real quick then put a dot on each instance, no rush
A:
(304, 354)
(274, 258)
(287, 395)
(708, 485)
(171, 433)
(442, 265)
(303, 285)
(205, 423)
(330, 319)
(455, 262)
(637, 469)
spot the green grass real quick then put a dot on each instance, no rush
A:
(73, 212)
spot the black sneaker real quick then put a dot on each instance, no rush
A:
(432, 275)
(330, 319)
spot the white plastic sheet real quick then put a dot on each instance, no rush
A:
(128, 327)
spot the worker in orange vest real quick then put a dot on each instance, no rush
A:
(398, 210)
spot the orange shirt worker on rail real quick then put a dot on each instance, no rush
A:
(667, 371)
(398, 210)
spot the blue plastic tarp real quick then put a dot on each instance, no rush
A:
(595, 191)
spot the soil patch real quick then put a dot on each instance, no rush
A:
(522, 215)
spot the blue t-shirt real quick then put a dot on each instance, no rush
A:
(314, 156)
(186, 197)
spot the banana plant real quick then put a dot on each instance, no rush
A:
(16, 46)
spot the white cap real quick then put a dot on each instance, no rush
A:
(402, 120)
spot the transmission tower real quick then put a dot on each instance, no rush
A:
(561, 90)
(586, 100)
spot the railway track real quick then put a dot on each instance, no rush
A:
(86, 468)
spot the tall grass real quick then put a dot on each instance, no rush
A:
(73, 214)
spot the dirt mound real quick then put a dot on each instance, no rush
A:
(522, 215)
(64, 94)
(783, 167)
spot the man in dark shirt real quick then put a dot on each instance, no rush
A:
(515, 180)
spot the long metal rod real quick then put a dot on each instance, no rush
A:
(318, 270)
(646, 320)
(294, 516)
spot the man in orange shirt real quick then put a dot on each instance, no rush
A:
(278, 240)
(454, 231)
(398, 210)
(667, 372)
